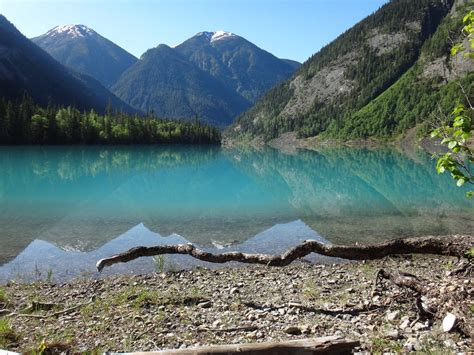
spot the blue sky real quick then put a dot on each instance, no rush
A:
(292, 29)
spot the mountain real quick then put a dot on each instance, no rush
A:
(213, 75)
(379, 78)
(84, 50)
(26, 68)
(236, 62)
(293, 63)
(167, 83)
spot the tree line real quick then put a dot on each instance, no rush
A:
(24, 122)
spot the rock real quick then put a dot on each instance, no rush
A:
(420, 326)
(234, 290)
(206, 304)
(392, 316)
(392, 334)
(404, 325)
(251, 317)
(451, 288)
(449, 343)
(306, 329)
(292, 330)
(448, 322)
(409, 344)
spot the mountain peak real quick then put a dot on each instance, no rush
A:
(71, 30)
(219, 35)
(216, 36)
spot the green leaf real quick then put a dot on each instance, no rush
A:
(461, 182)
(452, 144)
(458, 121)
(458, 109)
(456, 48)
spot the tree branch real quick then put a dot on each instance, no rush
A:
(452, 245)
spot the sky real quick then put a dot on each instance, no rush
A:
(293, 29)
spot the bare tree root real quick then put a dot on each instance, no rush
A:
(434, 303)
(451, 246)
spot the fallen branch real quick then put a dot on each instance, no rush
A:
(249, 328)
(451, 246)
(353, 311)
(403, 280)
(323, 345)
(431, 302)
(55, 314)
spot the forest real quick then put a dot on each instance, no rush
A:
(390, 93)
(24, 122)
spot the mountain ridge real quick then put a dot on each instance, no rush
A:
(176, 88)
(324, 97)
(217, 75)
(86, 51)
(26, 68)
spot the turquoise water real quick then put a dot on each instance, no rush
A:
(78, 199)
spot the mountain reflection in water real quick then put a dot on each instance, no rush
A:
(41, 258)
(80, 198)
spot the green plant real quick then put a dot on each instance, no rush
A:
(3, 296)
(456, 129)
(159, 263)
(7, 335)
(49, 276)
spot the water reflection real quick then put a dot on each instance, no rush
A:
(79, 198)
(42, 260)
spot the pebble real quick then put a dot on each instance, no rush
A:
(206, 304)
(292, 330)
(405, 323)
(448, 322)
(392, 316)
(392, 334)
(420, 326)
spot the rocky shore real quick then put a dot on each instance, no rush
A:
(241, 305)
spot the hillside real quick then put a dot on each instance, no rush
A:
(171, 86)
(236, 63)
(378, 79)
(213, 75)
(26, 68)
(84, 50)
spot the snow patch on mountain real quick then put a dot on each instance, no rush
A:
(219, 35)
(71, 30)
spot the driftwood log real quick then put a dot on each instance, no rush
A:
(323, 345)
(450, 246)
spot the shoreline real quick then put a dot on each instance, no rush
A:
(236, 305)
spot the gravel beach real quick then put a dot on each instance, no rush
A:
(240, 305)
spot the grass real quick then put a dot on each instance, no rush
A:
(159, 263)
(368, 269)
(311, 290)
(382, 345)
(3, 296)
(8, 336)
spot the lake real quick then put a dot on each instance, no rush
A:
(63, 208)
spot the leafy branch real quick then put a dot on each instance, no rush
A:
(456, 130)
